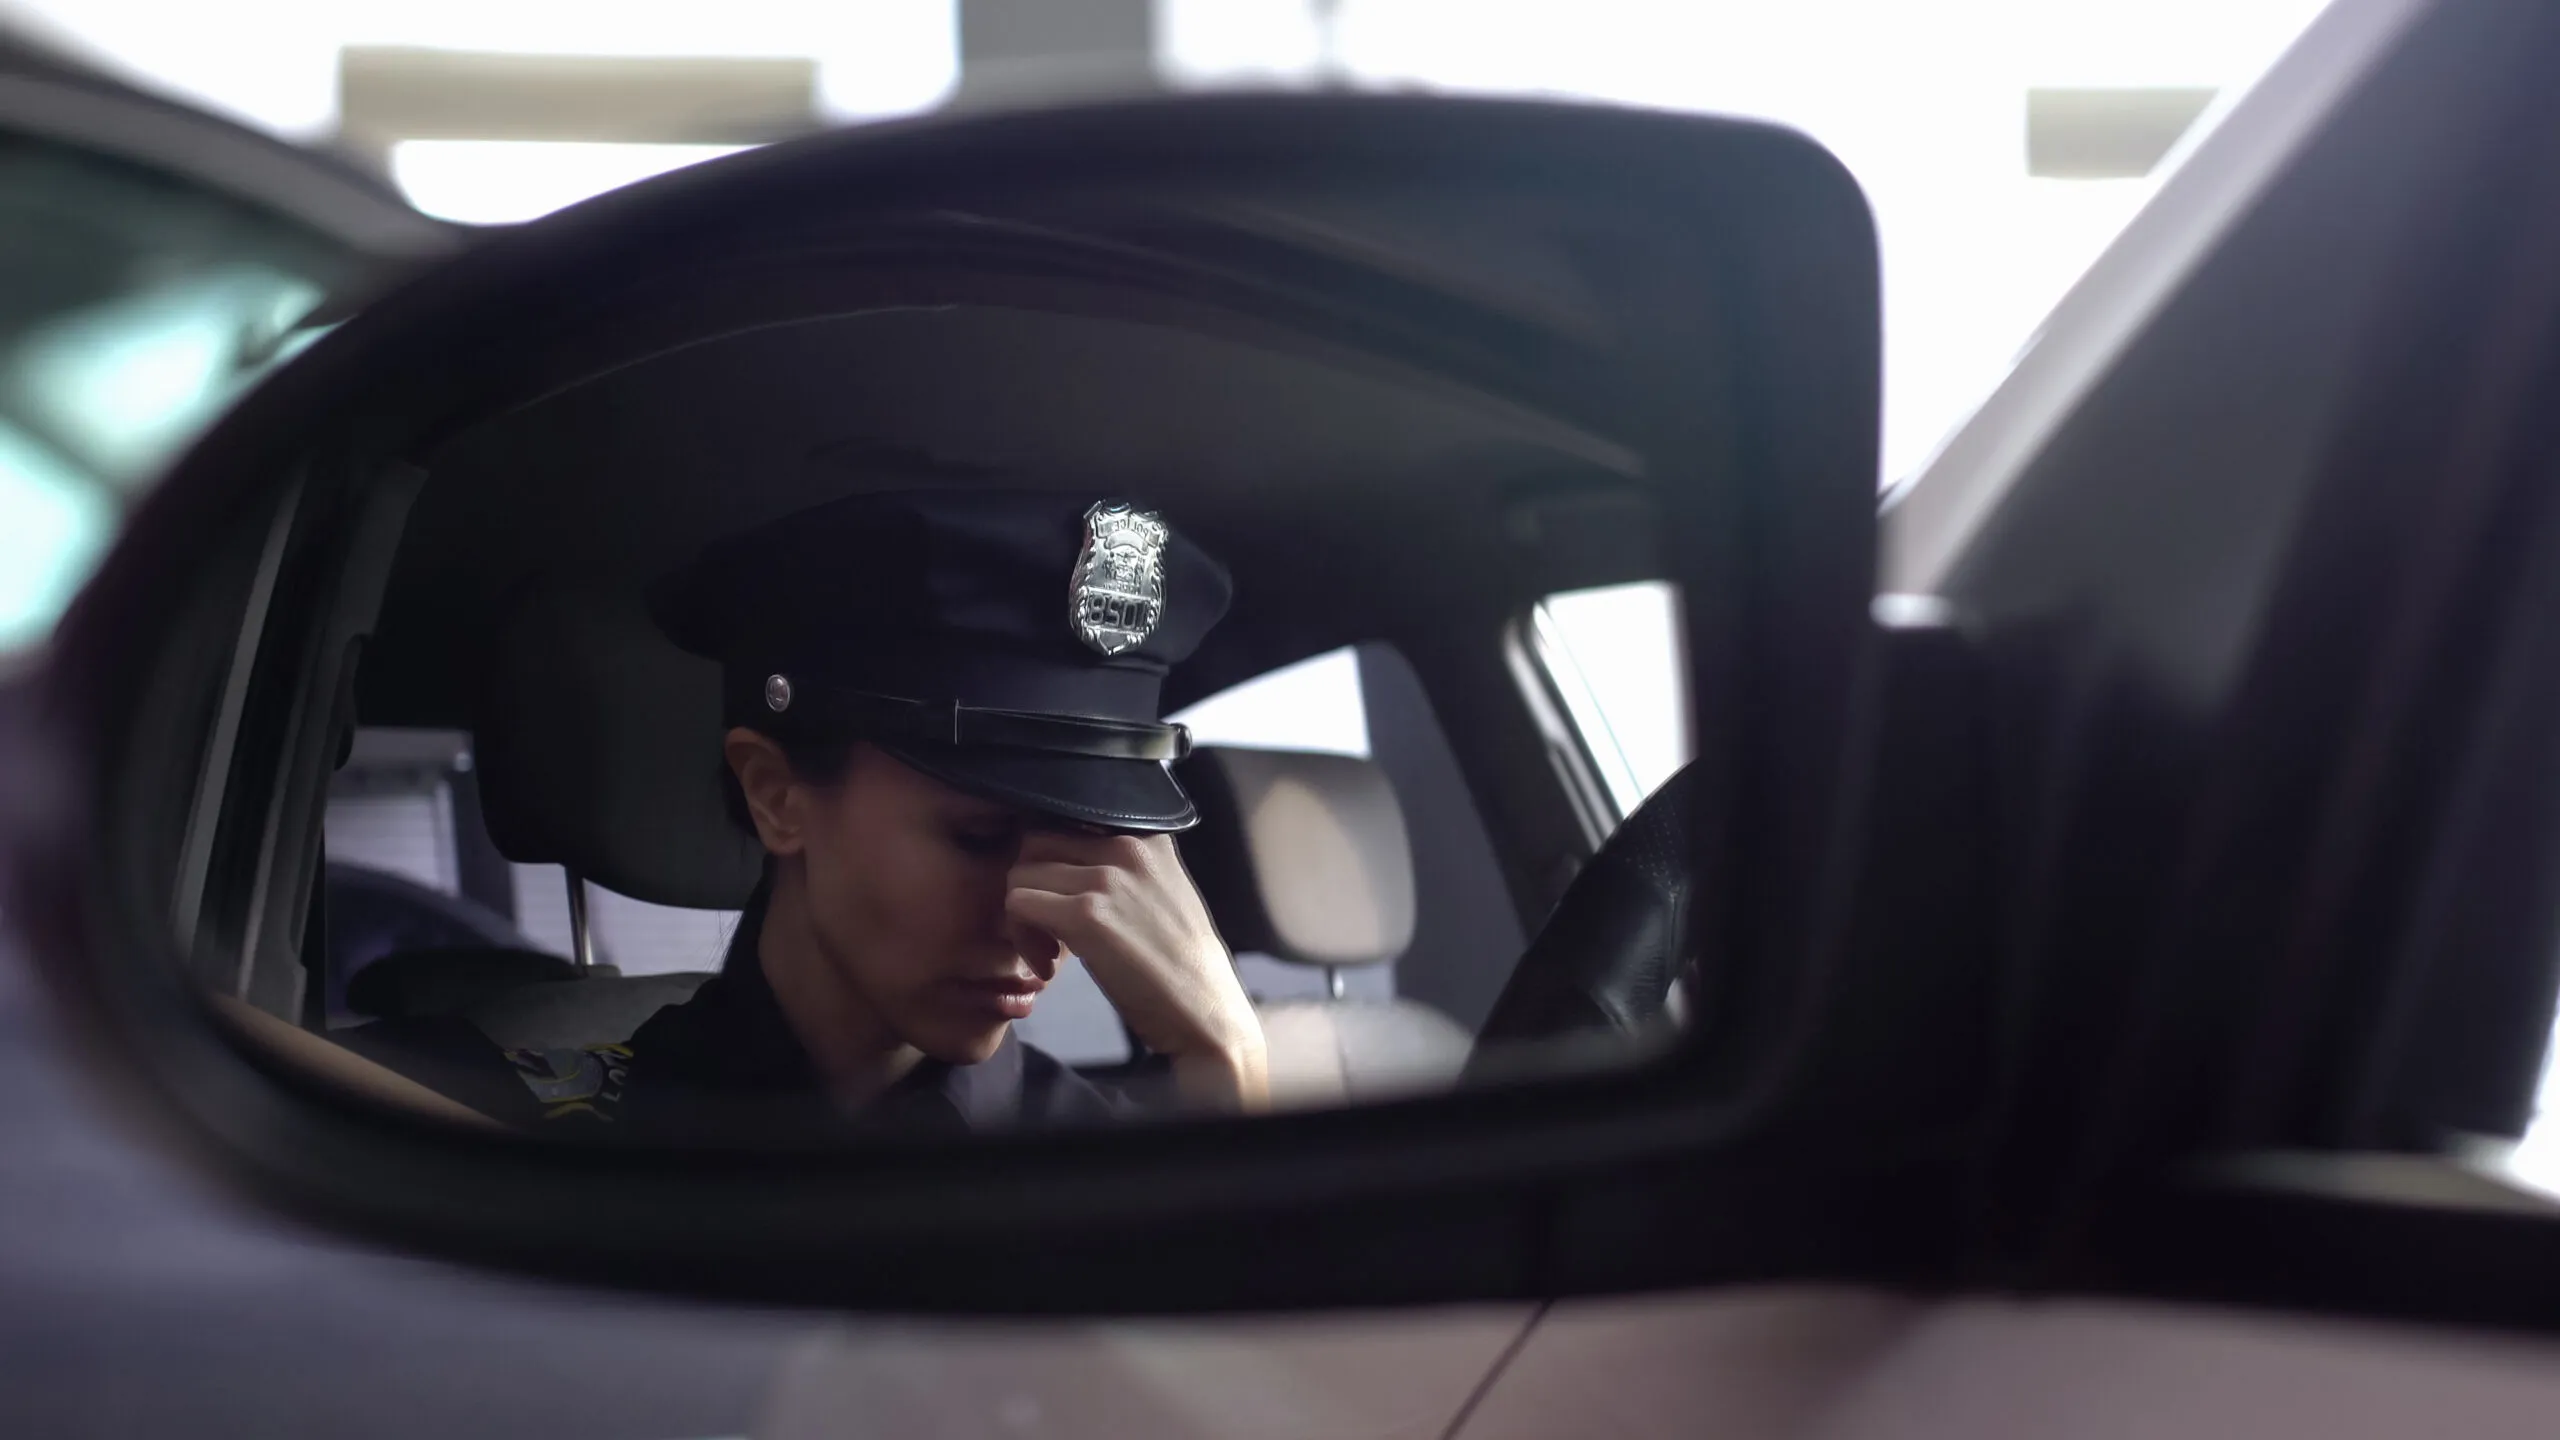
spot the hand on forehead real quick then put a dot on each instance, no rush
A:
(1044, 838)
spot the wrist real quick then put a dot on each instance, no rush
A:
(1234, 1076)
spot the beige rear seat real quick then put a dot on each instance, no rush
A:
(1304, 857)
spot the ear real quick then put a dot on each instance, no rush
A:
(764, 775)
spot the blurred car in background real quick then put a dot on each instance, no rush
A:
(154, 262)
(158, 261)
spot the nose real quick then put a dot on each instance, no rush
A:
(1038, 948)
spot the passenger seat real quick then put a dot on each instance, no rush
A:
(1304, 857)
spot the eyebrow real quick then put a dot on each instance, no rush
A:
(987, 815)
(1052, 825)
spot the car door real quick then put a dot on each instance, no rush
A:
(2252, 552)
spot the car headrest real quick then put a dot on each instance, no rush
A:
(597, 747)
(1300, 856)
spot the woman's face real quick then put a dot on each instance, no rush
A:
(906, 879)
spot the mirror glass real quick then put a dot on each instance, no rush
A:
(1095, 658)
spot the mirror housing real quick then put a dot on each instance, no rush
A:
(1756, 413)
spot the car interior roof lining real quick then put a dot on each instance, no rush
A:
(1315, 482)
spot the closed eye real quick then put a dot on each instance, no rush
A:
(986, 841)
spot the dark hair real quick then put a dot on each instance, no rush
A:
(817, 762)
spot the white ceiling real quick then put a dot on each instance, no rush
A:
(1925, 102)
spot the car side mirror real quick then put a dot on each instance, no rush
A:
(1466, 354)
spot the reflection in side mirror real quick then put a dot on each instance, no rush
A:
(693, 674)
(338, 1066)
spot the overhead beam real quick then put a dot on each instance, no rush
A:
(2088, 134)
(387, 94)
(1015, 49)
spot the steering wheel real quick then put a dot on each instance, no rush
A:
(1607, 959)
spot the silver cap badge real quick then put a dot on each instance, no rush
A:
(1117, 597)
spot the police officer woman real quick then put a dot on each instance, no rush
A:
(942, 727)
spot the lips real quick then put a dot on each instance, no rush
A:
(1007, 997)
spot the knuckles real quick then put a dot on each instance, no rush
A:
(1034, 900)
(1118, 872)
(1126, 852)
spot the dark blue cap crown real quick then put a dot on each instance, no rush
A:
(954, 595)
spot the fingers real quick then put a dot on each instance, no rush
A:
(1064, 900)
(1124, 904)
(1067, 864)
(1071, 919)
(1059, 877)
(1069, 847)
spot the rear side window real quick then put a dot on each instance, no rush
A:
(1315, 704)
(1615, 660)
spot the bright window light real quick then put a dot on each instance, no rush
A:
(1315, 704)
(1924, 103)
(53, 525)
(120, 386)
(274, 63)
(1622, 672)
(500, 182)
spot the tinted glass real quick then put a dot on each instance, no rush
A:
(133, 306)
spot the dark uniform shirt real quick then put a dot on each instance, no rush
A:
(726, 1067)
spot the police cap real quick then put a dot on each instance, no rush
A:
(1010, 644)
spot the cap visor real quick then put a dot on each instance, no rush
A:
(1086, 789)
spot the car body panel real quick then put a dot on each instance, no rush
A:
(1933, 517)
(1851, 1364)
